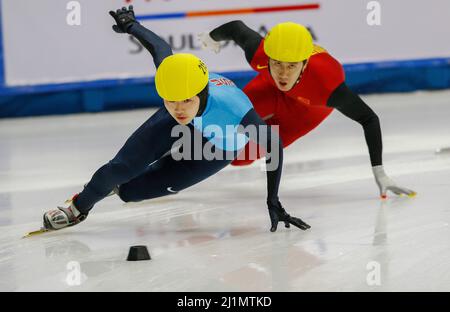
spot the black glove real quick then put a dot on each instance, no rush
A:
(277, 214)
(124, 18)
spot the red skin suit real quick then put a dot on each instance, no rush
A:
(299, 110)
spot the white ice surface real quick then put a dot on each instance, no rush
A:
(215, 236)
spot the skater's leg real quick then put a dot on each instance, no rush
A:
(146, 145)
(169, 176)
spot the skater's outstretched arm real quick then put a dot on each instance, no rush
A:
(270, 140)
(248, 39)
(127, 23)
(352, 106)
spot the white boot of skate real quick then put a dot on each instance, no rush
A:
(60, 218)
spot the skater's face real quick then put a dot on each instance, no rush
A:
(183, 111)
(285, 74)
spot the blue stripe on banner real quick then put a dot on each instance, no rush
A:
(114, 94)
(61, 87)
(363, 68)
(431, 62)
(399, 76)
(160, 16)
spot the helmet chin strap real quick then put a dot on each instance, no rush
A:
(203, 96)
(305, 62)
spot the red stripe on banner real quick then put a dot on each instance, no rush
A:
(222, 12)
(312, 6)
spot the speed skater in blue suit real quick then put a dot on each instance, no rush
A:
(215, 118)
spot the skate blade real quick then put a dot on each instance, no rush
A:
(34, 233)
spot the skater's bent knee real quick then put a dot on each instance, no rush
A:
(124, 196)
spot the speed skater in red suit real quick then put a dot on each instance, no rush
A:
(297, 87)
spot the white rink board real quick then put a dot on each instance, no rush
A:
(40, 48)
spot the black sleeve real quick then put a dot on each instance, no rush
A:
(352, 106)
(248, 39)
(270, 140)
(157, 47)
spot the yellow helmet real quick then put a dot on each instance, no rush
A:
(289, 42)
(180, 77)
